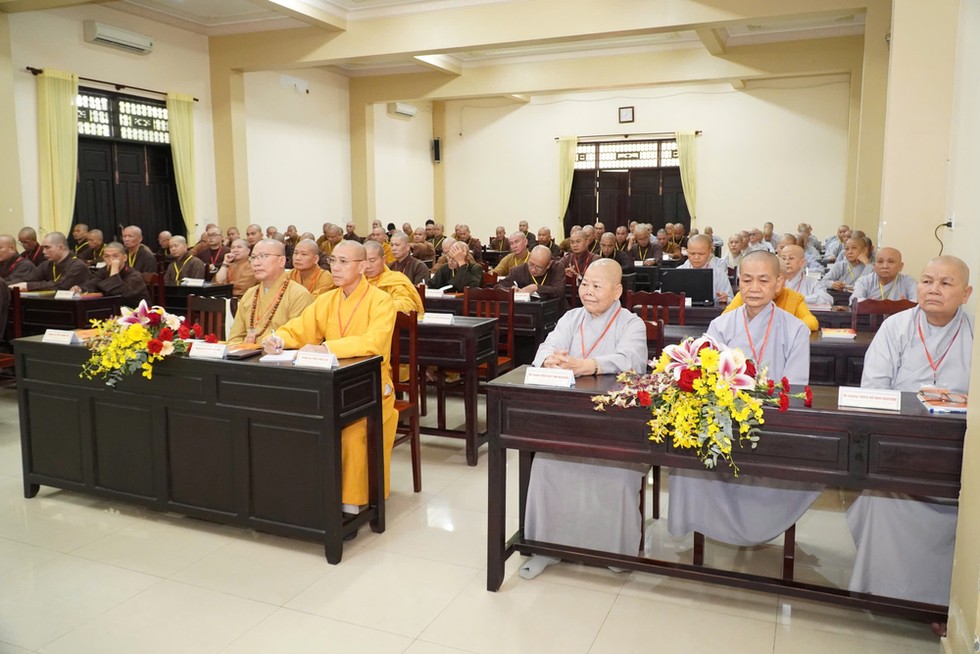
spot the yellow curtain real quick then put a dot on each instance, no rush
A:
(685, 152)
(180, 114)
(57, 127)
(566, 172)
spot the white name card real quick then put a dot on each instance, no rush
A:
(60, 336)
(687, 302)
(308, 359)
(432, 318)
(558, 377)
(64, 295)
(520, 296)
(638, 263)
(869, 398)
(205, 350)
(434, 292)
(189, 281)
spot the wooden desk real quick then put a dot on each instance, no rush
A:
(833, 362)
(702, 316)
(841, 298)
(236, 442)
(912, 452)
(464, 346)
(44, 312)
(175, 297)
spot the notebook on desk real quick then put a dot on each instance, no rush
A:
(696, 284)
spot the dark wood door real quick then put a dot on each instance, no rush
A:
(674, 204)
(614, 195)
(581, 203)
(95, 191)
(645, 205)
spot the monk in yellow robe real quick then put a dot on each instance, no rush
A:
(273, 301)
(395, 284)
(307, 271)
(789, 301)
(354, 320)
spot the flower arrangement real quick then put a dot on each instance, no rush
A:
(704, 396)
(135, 341)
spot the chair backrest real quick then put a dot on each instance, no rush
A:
(16, 320)
(489, 279)
(493, 303)
(154, 282)
(877, 309)
(208, 312)
(421, 289)
(404, 351)
(648, 303)
(655, 337)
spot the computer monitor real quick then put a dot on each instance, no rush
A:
(696, 284)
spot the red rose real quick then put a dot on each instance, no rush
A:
(704, 345)
(688, 377)
(750, 368)
(783, 402)
(772, 388)
(786, 384)
(210, 338)
(644, 398)
(184, 332)
(166, 334)
(198, 332)
(154, 346)
(807, 397)
(153, 318)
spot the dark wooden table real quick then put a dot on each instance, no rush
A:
(175, 297)
(236, 442)
(912, 452)
(833, 361)
(44, 312)
(702, 316)
(463, 346)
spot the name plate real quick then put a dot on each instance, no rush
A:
(60, 336)
(520, 296)
(205, 350)
(638, 263)
(869, 398)
(558, 377)
(434, 292)
(307, 359)
(687, 302)
(431, 318)
(64, 295)
(190, 281)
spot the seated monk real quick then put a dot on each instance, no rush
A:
(307, 271)
(541, 274)
(117, 278)
(397, 285)
(236, 269)
(184, 266)
(61, 269)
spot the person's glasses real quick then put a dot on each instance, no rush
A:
(941, 396)
(263, 256)
(337, 261)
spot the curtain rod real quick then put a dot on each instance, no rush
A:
(626, 136)
(118, 87)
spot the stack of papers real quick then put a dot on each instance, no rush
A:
(828, 332)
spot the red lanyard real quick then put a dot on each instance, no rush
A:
(214, 257)
(581, 333)
(799, 283)
(340, 322)
(935, 364)
(757, 358)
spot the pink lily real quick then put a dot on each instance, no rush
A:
(731, 369)
(685, 355)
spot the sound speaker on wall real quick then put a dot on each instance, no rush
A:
(436, 151)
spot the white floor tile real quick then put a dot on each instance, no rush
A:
(422, 647)
(295, 632)
(440, 533)
(809, 641)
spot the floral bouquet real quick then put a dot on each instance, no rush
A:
(704, 396)
(135, 341)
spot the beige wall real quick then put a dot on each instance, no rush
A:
(53, 39)
(310, 132)
(403, 168)
(11, 204)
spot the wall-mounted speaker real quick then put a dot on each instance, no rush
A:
(436, 150)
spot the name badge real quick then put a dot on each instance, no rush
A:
(558, 377)
(869, 398)
(520, 296)
(432, 318)
(60, 336)
(434, 292)
(638, 263)
(64, 295)
(325, 360)
(205, 350)
(189, 281)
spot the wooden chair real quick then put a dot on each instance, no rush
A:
(648, 302)
(13, 329)
(154, 282)
(489, 279)
(876, 310)
(404, 351)
(424, 396)
(655, 337)
(209, 313)
(490, 303)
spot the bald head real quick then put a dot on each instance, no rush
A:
(792, 259)
(601, 286)
(762, 257)
(306, 245)
(944, 287)
(540, 259)
(606, 269)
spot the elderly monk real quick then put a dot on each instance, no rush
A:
(517, 243)
(544, 238)
(61, 269)
(253, 234)
(307, 271)
(622, 238)
(416, 271)
(904, 543)
(460, 270)
(811, 289)
(591, 240)
(574, 501)
(421, 248)
(27, 238)
(786, 299)
(735, 251)
(499, 240)
(354, 320)
(332, 236)
(80, 234)
(236, 269)
(472, 242)
(273, 301)
(856, 262)
(578, 259)
(379, 235)
(834, 246)
(138, 256)
(607, 250)
(887, 282)
(184, 266)
(437, 238)
(117, 278)
(96, 246)
(14, 267)
(214, 254)
(397, 285)
(748, 510)
(670, 249)
(541, 274)
(650, 253)
(700, 257)
(351, 233)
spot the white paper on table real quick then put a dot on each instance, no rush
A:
(286, 356)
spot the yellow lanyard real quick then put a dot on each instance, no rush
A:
(177, 270)
(54, 272)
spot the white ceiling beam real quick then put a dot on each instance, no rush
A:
(14, 6)
(307, 13)
(712, 39)
(520, 97)
(440, 63)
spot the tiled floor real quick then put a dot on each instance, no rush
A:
(83, 575)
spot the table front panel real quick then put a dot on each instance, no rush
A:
(201, 454)
(123, 443)
(56, 448)
(283, 466)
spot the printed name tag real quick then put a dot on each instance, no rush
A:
(64, 295)
(520, 296)
(191, 282)
(687, 302)
(203, 350)
(438, 318)
(869, 398)
(306, 359)
(558, 377)
(60, 336)
(434, 292)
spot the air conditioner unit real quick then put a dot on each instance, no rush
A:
(402, 109)
(117, 38)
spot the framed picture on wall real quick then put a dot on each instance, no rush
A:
(626, 114)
